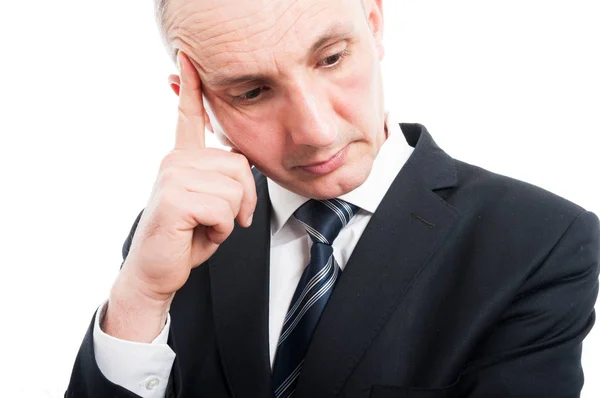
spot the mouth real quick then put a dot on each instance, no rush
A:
(328, 165)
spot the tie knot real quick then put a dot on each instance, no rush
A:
(324, 219)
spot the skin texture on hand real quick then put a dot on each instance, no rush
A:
(198, 195)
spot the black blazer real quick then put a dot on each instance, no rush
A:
(465, 283)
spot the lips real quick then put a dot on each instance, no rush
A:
(327, 166)
(324, 161)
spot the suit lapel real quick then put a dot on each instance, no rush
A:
(408, 227)
(239, 276)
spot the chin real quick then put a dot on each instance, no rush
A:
(335, 184)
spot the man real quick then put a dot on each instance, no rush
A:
(365, 262)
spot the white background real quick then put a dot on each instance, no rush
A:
(86, 114)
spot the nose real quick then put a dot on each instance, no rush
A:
(310, 119)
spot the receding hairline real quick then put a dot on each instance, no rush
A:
(160, 11)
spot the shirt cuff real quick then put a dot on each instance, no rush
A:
(141, 368)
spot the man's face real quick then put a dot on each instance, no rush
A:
(308, 113)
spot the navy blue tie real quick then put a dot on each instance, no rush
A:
(323, 221)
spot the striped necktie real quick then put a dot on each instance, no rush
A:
(323, 221)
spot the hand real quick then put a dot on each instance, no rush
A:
(198, 194)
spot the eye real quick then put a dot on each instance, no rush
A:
(250, 95)
(333, 60)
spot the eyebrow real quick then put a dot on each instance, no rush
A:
(335, 32)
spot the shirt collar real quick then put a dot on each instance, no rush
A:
(392, 156)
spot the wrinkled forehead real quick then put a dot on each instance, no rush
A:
(218, 33)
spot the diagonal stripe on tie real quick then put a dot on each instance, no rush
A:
(323, 221)
(316, 279)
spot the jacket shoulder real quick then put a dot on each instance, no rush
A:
(486, 190)
(517, 216)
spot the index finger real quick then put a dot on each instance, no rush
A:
(190, 122)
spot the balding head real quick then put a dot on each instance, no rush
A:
(160, 12)
(289, 83)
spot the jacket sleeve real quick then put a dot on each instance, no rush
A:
(535, 348)
(86, 378)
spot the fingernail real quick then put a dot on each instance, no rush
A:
(250, 219)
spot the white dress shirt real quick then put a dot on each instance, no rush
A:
(145, 368)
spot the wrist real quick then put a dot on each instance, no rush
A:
(131, 289)
(134, 315)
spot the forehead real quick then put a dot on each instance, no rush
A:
(224, 33)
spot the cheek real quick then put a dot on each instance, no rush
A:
(362, 82)
(254, 135)
(356, 100)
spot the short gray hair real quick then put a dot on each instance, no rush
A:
(160, 11)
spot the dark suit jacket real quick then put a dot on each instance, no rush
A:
(465, 283)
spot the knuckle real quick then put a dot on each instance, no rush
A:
(223, 211)
(168, 175)
(210, 151)
(250, 199)
(241, 160)
(169, 160)
(238, 190)
(215, 208)
(230, 225)
(253, 196)
(227, 220)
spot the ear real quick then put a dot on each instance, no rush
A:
(374, 11)
(175, 83)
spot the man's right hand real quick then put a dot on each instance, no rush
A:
(198, 194)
